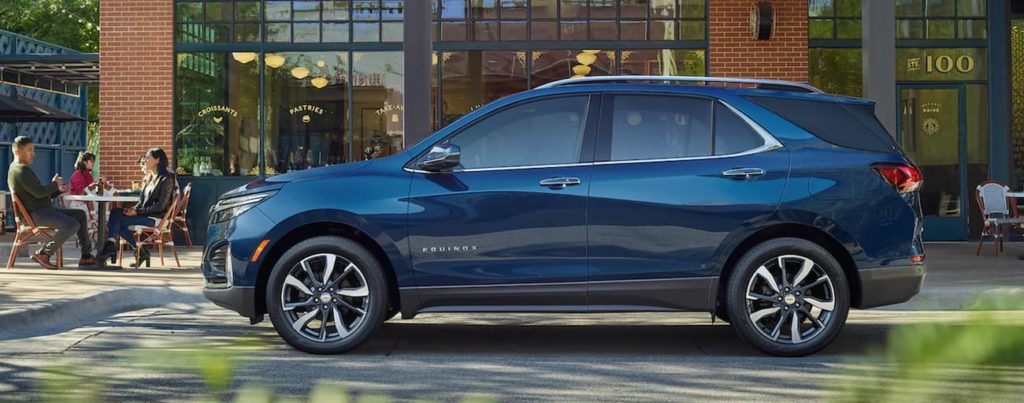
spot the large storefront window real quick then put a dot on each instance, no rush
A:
(1017, 97)
(941, 19)
(216, 105)
(836, 70)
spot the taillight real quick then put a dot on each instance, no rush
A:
(904, 178)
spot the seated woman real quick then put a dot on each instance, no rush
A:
(82, 179)
(156, 197)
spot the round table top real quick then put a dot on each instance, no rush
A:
(104, 198)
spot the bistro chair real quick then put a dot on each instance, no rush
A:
(28, 233)
(181, 219)
(997, 212)
(158, 235)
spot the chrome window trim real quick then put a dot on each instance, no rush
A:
(574, 164)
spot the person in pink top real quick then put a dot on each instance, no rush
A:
(82, 179)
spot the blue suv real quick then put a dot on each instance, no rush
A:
(771, 205)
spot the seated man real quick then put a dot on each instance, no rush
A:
(38, 201)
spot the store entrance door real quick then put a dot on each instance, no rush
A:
(932, 133)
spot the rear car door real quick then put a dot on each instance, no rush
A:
(673, 176)
(507, 228)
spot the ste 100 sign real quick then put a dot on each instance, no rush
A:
(941, 64)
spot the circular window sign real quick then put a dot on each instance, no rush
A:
(762, 20)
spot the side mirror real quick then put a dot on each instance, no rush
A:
(441, 158)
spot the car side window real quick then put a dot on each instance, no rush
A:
(660, 127)
(732, 134)
(543, 132)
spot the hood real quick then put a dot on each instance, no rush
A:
(277, 181)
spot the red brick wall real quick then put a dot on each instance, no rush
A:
(733, 53)
(136, 74)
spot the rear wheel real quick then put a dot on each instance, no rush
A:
(327, 295)
(788, 297)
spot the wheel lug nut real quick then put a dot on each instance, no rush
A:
(334, 300)
(780, 298)
(316, 301)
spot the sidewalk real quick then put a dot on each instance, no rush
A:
(37, 301)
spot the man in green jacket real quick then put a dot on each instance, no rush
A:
(38, 201)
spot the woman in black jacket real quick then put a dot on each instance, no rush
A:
(156, 198)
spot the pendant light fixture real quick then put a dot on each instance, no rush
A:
(244, 57)
(300, 72)
(274, 60)
(319, 82)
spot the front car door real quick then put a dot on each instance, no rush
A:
(673, 176)
(506, 230)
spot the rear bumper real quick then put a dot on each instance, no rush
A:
(889, 285)
(238, 299)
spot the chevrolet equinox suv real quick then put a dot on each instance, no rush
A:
(770, 205)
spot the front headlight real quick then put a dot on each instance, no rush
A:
(227, 209)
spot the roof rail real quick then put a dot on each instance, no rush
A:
(762, 84)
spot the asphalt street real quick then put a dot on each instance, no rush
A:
(150, 355)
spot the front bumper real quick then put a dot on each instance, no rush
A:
(889, 285)
(238, 299)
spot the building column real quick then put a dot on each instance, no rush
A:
(878, 49)
(417, 48)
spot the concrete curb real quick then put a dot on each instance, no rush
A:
(61, 315)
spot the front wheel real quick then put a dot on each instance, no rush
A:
(788, 297)
(326, 295)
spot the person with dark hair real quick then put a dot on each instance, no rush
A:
(82, 179)
(156, 198)
(38, 201)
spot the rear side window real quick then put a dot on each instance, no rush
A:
(660, 127)
(732, 134)
(851, 126)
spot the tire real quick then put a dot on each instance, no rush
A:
(360, 297)
(820, 300)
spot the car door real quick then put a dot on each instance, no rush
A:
(673, 176)
(507, 228)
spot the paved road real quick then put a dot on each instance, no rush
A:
(658, 357)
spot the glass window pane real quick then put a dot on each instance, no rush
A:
(848, 28)
(692, 9)
(663, 30)
(483, 9)
(188, 33)
(306, 118)
(634, 8)
(939, 8)
(218, 33)
(971, 8)
(941, 29)
(474, 78)
(366, 10)
(392, 32)
(513, 10)
(247, 11)
(603, 9)
(307, 32)
(394, 10)
(663, 62)
(278, 10)
(335, 32)
(513, 30)
(836, 71)
(366, 32)
(632, 30)
(485, 31)
(189, 12)
(335, 10)
(544, 9)
(247, 33)
(554, 65)
(821, 8)
(544, 30)
(542, 132)
(930, 133)
(453, 31)
(691, 30)
(378, 104)
(973, 29)
(306, 10)
(573, 9)
(453, 9)
(279, 32)
(215, 113)
(848, 8)
(657, 127)
(602, 30)
(218, 11)
(820, 29)
(909, 29)
(909, 8)
(664, 9)
(574, 30)
(732, 134)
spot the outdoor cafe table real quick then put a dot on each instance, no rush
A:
(101, 210)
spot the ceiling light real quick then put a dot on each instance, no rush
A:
(274, 60)
(586, 59)
(320, 63)
(581, 70)
(319, 82)
(300, 72)
(244, 57)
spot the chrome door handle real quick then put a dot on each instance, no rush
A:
(560, 182)
(743, 173)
